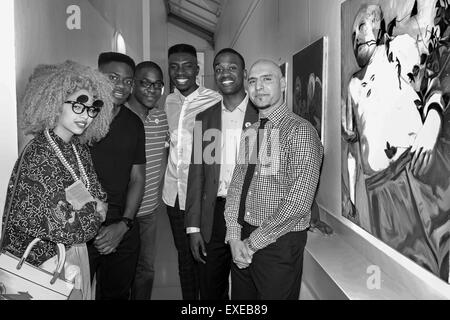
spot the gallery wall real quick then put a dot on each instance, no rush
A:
(126, 17)
(158, 38)
(43, 37)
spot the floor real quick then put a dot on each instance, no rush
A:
(166, 285)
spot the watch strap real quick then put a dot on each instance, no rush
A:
(128, 222)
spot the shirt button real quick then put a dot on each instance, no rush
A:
(248, 213)
(256, 173)
(249, 193)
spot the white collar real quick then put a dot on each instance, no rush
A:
(190, 97)
(242, 107)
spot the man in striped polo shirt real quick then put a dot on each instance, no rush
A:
(148, 88)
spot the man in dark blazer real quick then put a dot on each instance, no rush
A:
(215, 149)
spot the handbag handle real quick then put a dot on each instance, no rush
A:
(61, 258)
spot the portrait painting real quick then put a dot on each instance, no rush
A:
(309, 83)
(395, 87)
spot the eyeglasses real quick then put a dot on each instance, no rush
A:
(79, 106)
(157, 85)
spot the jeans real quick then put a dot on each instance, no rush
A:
(145, 270)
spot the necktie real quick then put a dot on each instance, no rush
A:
(249, 175)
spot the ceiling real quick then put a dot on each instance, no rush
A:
(197, 16)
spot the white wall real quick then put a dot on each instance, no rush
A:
(42, 35)
(277, 29)
(125, 16)
(158, 39)
(8, 127)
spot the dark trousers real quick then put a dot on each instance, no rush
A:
(115, 271)
(275, 272)
(187, 266)
(214, 274)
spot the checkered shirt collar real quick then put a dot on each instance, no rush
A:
(277, 115)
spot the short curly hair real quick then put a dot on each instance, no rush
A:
(48, 88)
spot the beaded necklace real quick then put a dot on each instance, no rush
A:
(66, 164)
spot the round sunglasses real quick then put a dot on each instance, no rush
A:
(79, 106)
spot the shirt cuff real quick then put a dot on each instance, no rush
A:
(250, 246)
(192, 230)
(258, 241)
(233, 233)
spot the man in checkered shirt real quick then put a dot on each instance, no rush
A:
(267, 230)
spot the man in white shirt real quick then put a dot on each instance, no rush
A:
(216, 146)
(181, 108)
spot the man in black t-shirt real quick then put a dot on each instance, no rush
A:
(119, 160)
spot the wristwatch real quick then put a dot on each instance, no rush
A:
(128, 222)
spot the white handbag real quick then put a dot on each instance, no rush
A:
(20, 280)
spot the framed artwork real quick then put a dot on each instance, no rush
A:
(284, 72)
(309, 81)
(395, 86)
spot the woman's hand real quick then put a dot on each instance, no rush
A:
(101, 209)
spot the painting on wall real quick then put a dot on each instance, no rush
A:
(396, 125)
(284, 72)
(309, 78)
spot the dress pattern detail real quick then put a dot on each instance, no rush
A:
(39, 207)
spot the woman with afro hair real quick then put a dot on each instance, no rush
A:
(54, 193)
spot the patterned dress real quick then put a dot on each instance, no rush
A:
(39, 207)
